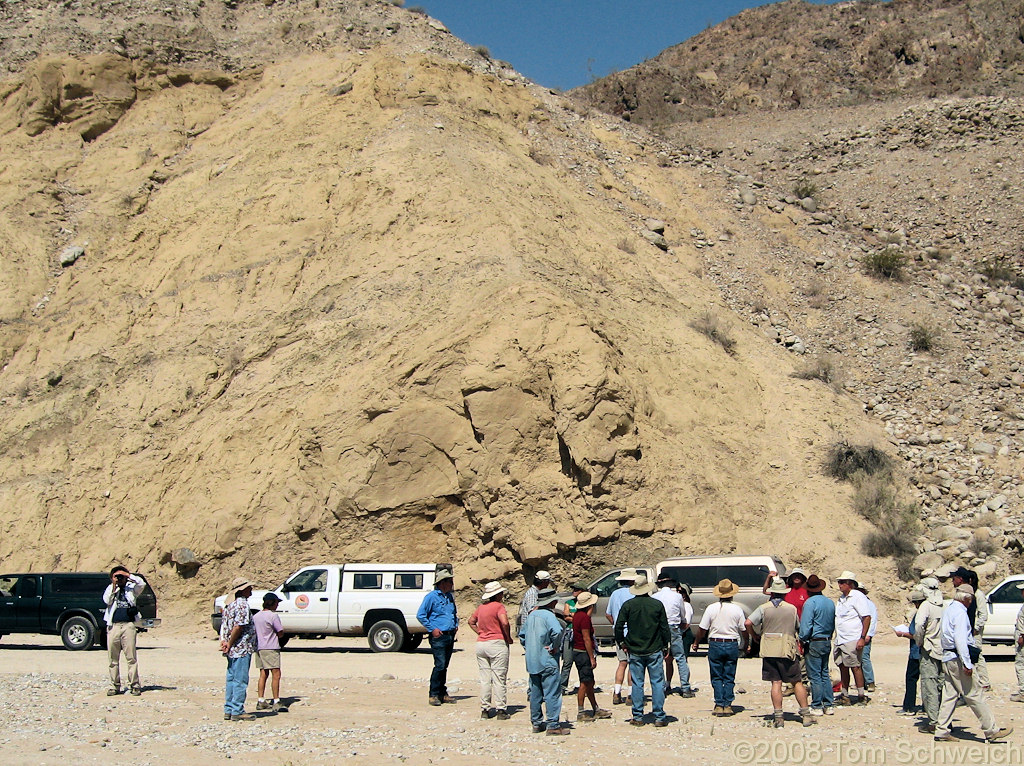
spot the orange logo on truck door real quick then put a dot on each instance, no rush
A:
(301, 601)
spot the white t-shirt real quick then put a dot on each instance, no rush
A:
(673, 603)
(849, 611)
(687, 612)
(873, 611)
(723, 620)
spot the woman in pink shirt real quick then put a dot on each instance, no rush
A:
(493, 638)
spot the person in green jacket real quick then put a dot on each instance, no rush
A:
(642, 631)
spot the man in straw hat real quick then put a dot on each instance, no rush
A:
(625, 579)
(928, 636)
(777, 622)
(237, 644)
(817, 623)
(493, 638)
(541, 637)
(641, 629)
(958, 669)
(439, 616)
(724, 625)
(584, 655)
(568, 610)
(853, 620)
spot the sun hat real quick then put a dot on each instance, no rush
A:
(779, 587)
(585, 599)
(491, 590)
(815, 584)
(918, 595)
(930, 587)
(796, 571)
(627, 574)
(542, 575)
(964, 588)
(241, 583)
(846, 574)
(271, 598)
(546, 596)
(443, 573)
(725, 589)
(641, 587)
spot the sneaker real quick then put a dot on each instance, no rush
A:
(817, 711)
(559, 732)
(136, 691)
(947, 737)
(660, 724)
(1018, 697)
(599, 713)
(486, 715)
(502, 715)
(568, 692)
(1003, 733)
(617, 698)
(278, 707)
(636, 721)
(243, 717)
(113, 692)
(687, 693)
(434, 701)
(585, 715)
(830, 711)
(907, 712)
(538, 728)
(869, 688)
(926, 728)
(263, 704)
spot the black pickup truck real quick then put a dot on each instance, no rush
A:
(68, 604)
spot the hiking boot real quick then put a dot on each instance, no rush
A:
(278, 707)
(861, 700)
(947, 737)
(830, 711)
(787, 690)
(842, 699)
(727, 710)
(636, 722)
(585, 715)
(559, 732)
(687, 693)
(660, 724)
(136, 691)
(1018, 697)
(263, 704)
(1003, 733)
(869, 688)
(447, 698)
(243, 717)
(538, 728)
(719, 710)
(502, 715)
(617, 698)
(434, 701)
(778, 722)
(599, 713)
(926, 728)
(807, 719)
(113, 692)
(486, 715)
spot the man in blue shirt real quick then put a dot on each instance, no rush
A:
(817, 623)
(541, 637)
(619, 597)
(958, 669)
(438, 615)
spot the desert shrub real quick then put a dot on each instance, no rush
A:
(710, 325)
(984, 545)
(626, 245)
(805, 188)
(397, 3)
(888, 540)
(986, 519)
(845, 461)
(886, 263)
(1000, 269)
(874, 497)
(924, 337)
(484, 51)
(419, 10)
(823, 368)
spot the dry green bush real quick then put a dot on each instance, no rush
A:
(874, 497)
(805, 188)
(484, 51)
(888, 540)
(986, 519)
(1000, 269)
(986, 545)
(845, 461)
(712, 326)
(823, 368)
(924, 337)
(887, 263)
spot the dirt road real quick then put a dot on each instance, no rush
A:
(349, 703)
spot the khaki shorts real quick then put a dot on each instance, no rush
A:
(268, 659)
(847, 655)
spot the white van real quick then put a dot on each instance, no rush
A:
(378, 601)
(1004, 603)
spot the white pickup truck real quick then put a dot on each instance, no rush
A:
(378, 601)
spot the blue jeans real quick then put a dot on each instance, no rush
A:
(442, 648)
(678, 650)
(544, 688)
(722, 659)
(865, 664)
(816, 656)
(235, 685)
(654, 664)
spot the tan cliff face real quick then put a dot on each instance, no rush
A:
(410, 318)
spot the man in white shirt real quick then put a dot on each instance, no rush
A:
(119, 615)
(853, 620)
(723, 624)
(865, 656)
(675, 608)
(958, 668)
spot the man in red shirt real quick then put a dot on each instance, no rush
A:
(584, 656)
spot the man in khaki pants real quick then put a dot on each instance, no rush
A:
(120, 615)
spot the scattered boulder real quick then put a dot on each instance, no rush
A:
(71, 254)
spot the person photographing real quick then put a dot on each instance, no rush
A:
(120, 613)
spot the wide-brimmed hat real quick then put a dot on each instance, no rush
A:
(542, 575)
(918, 595)
(725, 589)
(964, 588)
(627, 574)
(241, 583)
(815, 584)
(930, 587)
(585, 599)
(546, 596)
(641, 587)
(796, 571)
(443, 573)
(846, 574)
(779, 587)
(491, 590)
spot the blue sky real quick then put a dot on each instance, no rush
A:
(566, 43)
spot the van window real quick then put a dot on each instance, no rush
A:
(606, 585)
(1007, 593)
(694, 576)
(744, 575)
(310, 581)
(78, 585)
(366, 581)
(408, 581)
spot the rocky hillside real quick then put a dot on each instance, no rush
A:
(797, 54)
(378, 297)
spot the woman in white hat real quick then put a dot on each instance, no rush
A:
(493, 637)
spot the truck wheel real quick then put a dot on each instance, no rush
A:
(412, 642)
(386, 636)
(77, 633)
